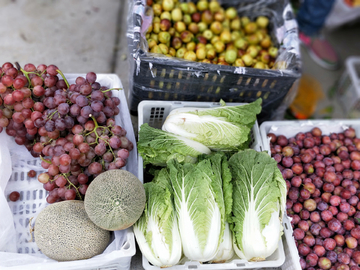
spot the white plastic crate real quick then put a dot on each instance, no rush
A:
(32, 200)
(348, 88)
(154, 113)
(290, 129)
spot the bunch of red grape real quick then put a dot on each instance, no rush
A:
(322, 173)
(70, 127)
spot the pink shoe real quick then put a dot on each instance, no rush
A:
(320, 51)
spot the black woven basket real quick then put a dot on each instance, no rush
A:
(156, 77)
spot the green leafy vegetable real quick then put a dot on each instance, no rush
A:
(157, 147)
(224, 128)
(259, 198)
(156, 231)
(200, 205)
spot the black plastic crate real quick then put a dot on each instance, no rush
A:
(156, 77)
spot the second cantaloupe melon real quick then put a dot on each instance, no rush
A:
(115, 200)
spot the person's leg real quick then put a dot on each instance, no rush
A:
(311, 17)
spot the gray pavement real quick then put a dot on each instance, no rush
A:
(78, 36)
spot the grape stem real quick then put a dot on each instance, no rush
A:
(98, 137)
(51, 115)
(45, 160)
(71, 184)
(63, 76)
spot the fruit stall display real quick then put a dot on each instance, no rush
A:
(320, 162)
(204, 51)
(66, 131)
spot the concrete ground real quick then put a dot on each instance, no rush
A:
(89, 35)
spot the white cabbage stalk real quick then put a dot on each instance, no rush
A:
(157, 232)
(259, 244)
(225, 251)
(259, 198)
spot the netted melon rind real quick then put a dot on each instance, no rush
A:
(115, 200)
(64, 232)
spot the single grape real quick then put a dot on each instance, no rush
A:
(109, 112)
(63, 108)
(45, 164)
(53, 170)
(50, 125)
(95, 168)
(59, 150)
(38, 147)
(7, 80)
(65, 159)
(50, 80)
(100, 149)
(89, 125)
(84, 147)
(91, 77)
(82, 178)
(26, 113)
(59, 124)
(86, 112)
(75, 153)
(78, 139)
(69, 122)
(52, 70)
(68, 146)
(14, 196)
(38, 91)
(83, 188)
(64, 169)
(116, 101)
(82, 101)
(123, 153)
(70, 194)
(61, 192)
(61, 84)
(60, 181)
(4, 121)
(49, 102)
(101, 119)
(18, 95)
(51, 199)
(108, 157)
(85, 89)
(43, 178)
(80, 80)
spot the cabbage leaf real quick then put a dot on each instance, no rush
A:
(259, 197)
(223, 128)
(157, 147)
(156, 231)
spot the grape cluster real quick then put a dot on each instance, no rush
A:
(70, 127)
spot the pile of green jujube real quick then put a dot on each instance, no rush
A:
(208, 33)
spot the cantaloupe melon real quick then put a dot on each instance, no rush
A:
(64, 232)
(115, 200)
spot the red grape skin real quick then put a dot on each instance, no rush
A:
(14, 196)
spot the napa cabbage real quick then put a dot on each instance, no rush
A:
(156, 231)
(157, 147)
(259, 198)
(223, 128)
(200, 204)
